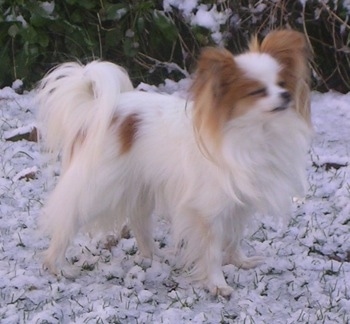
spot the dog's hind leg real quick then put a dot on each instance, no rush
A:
(60, 220)
(240, 260)
(66, 210)
(140, 221)
(233, 254)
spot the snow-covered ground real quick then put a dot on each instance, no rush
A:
(306, 277)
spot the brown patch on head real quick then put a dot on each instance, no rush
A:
(219, 90)
(291, 50)
(127, 131)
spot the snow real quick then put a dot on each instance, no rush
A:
(48, 7)
(304, 279)
(17, 84)
(186, 6)
(207, 16)
(18, 131)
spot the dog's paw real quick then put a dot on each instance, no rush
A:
(240, 260)
(70, 272)
(224, 291)
(66, 271)
(248, 262)
(50, 267)
(142, 261)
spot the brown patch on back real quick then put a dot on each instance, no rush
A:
(127, 132)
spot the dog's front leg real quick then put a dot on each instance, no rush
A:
(200, 238)
(212, 258)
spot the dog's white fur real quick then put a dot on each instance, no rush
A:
(125, 152)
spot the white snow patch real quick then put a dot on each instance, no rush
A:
(304, 279)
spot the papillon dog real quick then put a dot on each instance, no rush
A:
(235, 148)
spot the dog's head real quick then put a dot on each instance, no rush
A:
(268, 79)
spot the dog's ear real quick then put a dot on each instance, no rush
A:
(291, 50)
(215, 67)
(216, 73)
(288, 47)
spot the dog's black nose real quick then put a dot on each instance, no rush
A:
(286, 96)
(286, 99)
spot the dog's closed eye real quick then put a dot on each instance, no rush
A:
(259, 92)
(282, 84)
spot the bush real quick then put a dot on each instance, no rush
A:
(37, 35)
(159, 39)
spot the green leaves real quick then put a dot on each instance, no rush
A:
(13, 30)
(114, 11)
(86, 4)
(165, 26)
(37, 34)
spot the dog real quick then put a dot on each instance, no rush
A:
(235, 148)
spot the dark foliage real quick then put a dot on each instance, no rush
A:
(145, 38)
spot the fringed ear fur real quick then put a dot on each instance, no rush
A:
(291, 50)
(212, 98)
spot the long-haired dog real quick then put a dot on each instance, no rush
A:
(237, 147)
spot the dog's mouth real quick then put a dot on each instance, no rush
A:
(280, 108)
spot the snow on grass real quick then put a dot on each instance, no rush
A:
(202, 15)
(305, 278)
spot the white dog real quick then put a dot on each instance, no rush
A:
(236, 148)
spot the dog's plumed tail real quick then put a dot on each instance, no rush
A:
(76, 103)
(76, 111)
